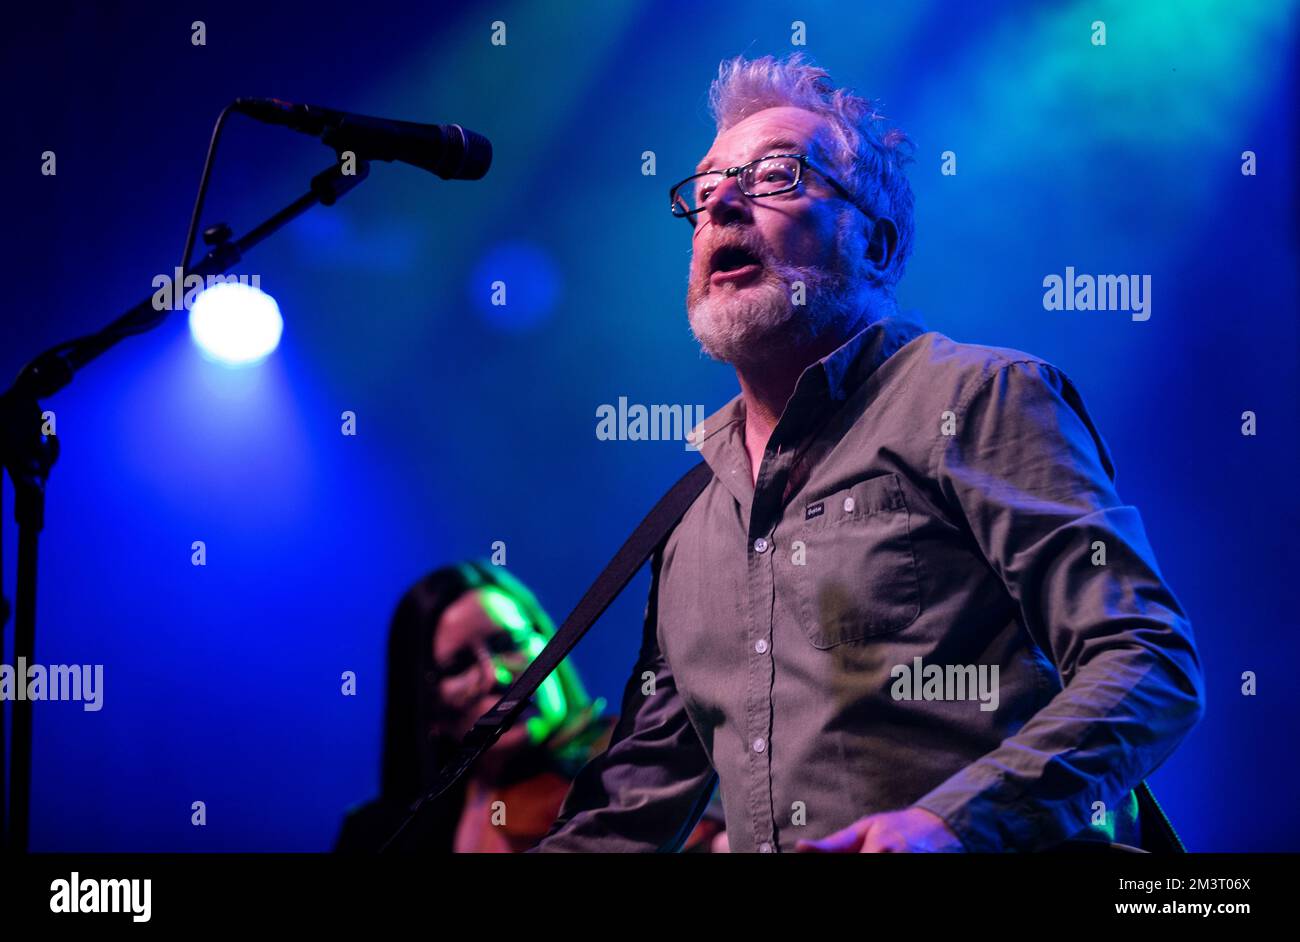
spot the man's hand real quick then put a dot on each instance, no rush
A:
(912, 830)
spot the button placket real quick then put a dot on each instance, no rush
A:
(759, 679)
(766, 511)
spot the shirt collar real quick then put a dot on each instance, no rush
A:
(837, 375)
(849, 366)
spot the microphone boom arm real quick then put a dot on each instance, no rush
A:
(28, 454)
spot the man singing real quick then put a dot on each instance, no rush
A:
(909, 612)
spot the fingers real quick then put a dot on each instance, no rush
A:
(882, 840)
(847, 841)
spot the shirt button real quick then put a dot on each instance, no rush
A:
(760, 545)
(765, 848)
(761, 646)
(760, 744)
(848, 505)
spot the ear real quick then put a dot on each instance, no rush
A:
(882, 245)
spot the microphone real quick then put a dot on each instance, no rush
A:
(448, 150)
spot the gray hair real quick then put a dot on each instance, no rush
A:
(868, 157)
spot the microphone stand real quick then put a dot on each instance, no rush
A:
(28, 454)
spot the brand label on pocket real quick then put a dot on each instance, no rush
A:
(815, 510)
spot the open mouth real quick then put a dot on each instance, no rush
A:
(733, 263)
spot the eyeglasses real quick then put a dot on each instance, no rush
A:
(766, 176)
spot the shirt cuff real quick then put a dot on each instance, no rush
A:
(989, 814)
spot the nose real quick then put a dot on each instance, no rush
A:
(487, 673)
(726, 204)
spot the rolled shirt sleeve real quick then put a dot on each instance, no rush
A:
(648, 789)
(1034, 482)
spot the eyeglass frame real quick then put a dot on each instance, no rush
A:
(804, 164)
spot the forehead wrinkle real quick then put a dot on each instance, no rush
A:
(777, 143)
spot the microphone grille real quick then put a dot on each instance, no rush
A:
(476, 154)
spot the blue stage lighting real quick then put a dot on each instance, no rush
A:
(530, 275)
(235, 324)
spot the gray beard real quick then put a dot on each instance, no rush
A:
(744, 326)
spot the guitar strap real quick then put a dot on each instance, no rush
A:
(1157, 833)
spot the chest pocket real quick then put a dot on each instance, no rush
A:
(858, 578)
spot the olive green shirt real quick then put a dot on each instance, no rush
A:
(934, 596)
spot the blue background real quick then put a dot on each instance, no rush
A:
(475, 424)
